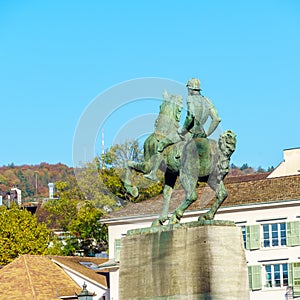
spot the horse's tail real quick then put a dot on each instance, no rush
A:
(226, 143)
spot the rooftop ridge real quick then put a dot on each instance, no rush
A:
(29, 276)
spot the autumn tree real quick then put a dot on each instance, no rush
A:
(32, 179)
(112, 173)
(21, 233)
(79, 217)
(99, 186)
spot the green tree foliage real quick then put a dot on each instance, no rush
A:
(113, 167)
(99, 186)
(77, 217)
(244, 167)
(93, 236)
(118, 155)
(58, 213)
(260, 169)
(233, 166)
(20, 233)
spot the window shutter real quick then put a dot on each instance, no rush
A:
(290, 274)
(117, 249)
(296, 279)
(292, 233)
(252, 237)
(254, 274)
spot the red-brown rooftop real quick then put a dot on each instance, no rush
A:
(247, 189)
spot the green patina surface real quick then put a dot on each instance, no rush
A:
(171, 227)
(186, 152)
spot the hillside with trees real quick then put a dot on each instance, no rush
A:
(32, 180)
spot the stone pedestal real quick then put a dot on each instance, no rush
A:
(186, 261)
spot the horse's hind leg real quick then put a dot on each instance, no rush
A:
(221, 195)
(170, 180)
(189, 183)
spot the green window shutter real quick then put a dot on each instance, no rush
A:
(296, 279)
(254, 275)
(290, 274)
(252, 237)
(117, 249)
(292, 233)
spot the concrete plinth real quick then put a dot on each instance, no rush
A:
(184, 262)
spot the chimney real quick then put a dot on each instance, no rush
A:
(51, 190)
(18, 195)
(290, 165)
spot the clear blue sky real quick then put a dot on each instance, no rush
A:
(57, 56)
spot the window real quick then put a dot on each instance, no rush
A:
(271, 235)
(244, 235)
(89, 265)
(274, 235)
(276, 275)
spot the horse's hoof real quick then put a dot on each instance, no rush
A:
(201, 221)
(134, 191)
(174, 220)
(204, 218)
(160, 221)
(155, 223)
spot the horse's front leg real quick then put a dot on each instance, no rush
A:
(221, 195)
(179, 211)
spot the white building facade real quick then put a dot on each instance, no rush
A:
(271, 240)
(266, 209)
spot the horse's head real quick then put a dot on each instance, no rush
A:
(171, 106)
(169, 114)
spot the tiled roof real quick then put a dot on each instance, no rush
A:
(73, 262)
(36, 277)
(247, 177)
(246, 190)
(33, 277)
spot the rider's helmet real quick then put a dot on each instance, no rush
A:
(193, 84)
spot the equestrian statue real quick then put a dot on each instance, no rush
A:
(187, 153)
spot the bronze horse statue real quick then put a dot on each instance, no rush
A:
(193, 160)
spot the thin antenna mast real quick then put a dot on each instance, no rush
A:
(102, 140)
(102, 148)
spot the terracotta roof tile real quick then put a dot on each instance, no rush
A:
(35, 278)
(38, 277)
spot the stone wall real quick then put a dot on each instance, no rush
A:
(184, 262)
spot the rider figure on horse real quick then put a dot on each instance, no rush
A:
(199, 109)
